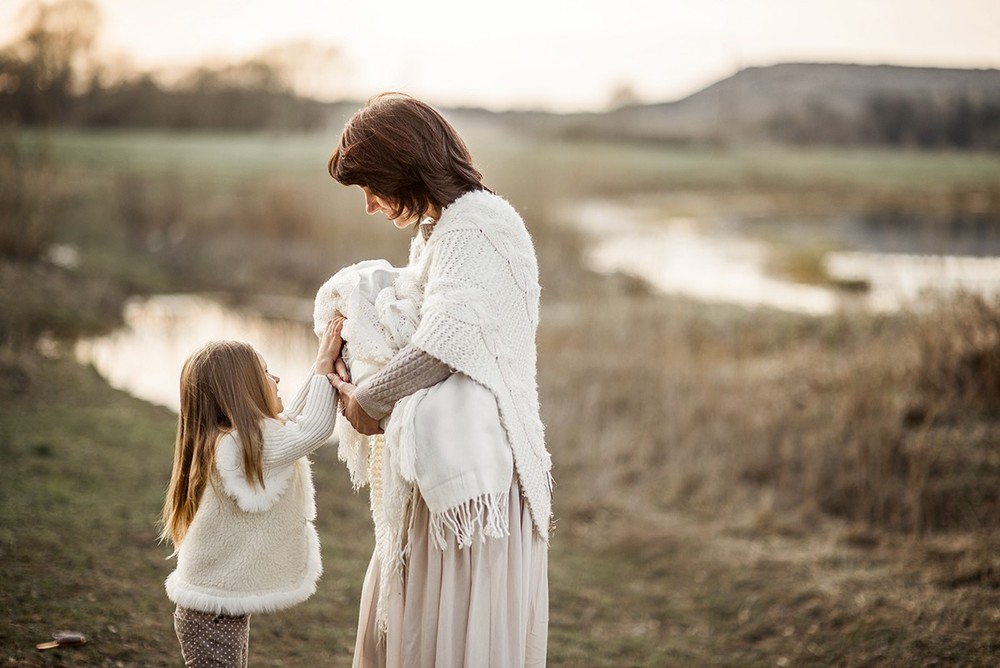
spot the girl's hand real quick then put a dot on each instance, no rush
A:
(352, 410)
(330, 343)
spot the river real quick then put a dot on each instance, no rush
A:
(717, 261)
(145, 356)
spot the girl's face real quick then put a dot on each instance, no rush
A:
(376, 203)
(272, 383)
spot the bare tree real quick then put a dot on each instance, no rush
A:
(311, 69)
(623, 95)
(38, 68)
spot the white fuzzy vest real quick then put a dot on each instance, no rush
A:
(251, 549)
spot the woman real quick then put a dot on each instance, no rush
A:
(466, 580)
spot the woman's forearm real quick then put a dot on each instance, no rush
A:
(410, 370)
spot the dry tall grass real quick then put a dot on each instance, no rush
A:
(883, 422)
(26, 193)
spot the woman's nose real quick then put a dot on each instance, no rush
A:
(371, 206)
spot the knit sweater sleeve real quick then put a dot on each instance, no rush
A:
(301, 434)
(411, 369)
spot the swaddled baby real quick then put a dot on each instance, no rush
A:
(379, 323)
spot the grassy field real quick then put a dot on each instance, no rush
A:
(733, 487)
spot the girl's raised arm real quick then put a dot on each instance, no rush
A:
(311, 418)
(330, 344)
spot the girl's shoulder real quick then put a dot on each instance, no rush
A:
(229, 464)
(227, 452)
(271, 427)
(225, 441)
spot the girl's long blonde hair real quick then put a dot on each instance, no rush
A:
(223, 389)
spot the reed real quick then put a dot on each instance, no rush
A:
(26, 197)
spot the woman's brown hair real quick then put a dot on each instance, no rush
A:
(405, 151)
(223, 389)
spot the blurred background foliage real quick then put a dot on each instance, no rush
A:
(50, 75)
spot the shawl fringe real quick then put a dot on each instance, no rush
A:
(484, 516)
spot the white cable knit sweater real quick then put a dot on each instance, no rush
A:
(478, 276)
(252, 549)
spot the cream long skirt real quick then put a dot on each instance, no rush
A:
(483, 605)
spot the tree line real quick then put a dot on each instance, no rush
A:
(962, 120)
(49, 76)
(209, 99)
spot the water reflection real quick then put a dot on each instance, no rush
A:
(720, 263)
(898, 280)
(145, 357)
(679, 258)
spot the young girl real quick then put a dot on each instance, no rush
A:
(240, 506)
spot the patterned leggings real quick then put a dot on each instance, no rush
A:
(212, 641)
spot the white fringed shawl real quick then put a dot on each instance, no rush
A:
(479, 279)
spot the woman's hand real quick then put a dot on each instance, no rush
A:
(330, 343)
(340, 368)
(352, 410)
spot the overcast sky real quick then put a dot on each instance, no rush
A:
(554, 54)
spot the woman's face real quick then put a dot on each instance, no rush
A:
(376, 203)
(272, 383)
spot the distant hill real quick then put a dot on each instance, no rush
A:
(808, 103)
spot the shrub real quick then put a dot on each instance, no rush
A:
(25, 196)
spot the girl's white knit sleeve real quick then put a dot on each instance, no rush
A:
(304, 430)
